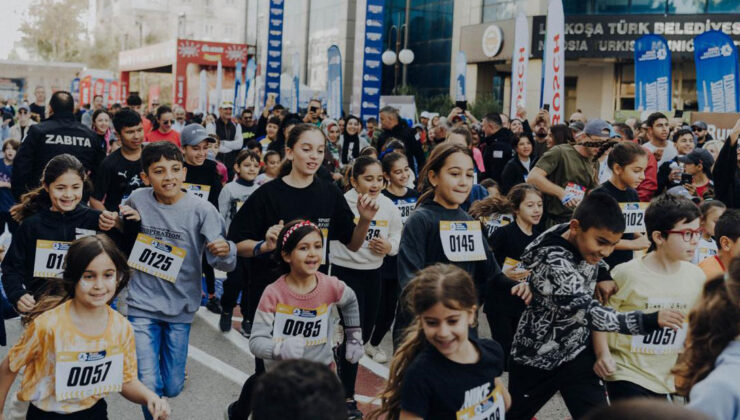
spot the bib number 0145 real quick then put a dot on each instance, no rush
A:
(462, 243)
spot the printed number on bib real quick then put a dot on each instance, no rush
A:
(662, 341)
(198, 190)
(634, 217)
(490, 408)
(377, 229)
(510, 263)
(49, 260)
(157, 258)
(405, 207)
(462, 241)
(82, 374)
(312, 324)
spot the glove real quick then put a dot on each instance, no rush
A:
(291, 348)
(354, 350)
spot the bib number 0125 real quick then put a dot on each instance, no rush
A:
(155, 259)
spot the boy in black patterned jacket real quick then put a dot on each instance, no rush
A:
(552, 346)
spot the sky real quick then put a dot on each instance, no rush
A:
(13, 13)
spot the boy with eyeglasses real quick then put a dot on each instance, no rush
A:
(640, 365)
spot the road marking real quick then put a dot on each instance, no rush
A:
(374, 367)
(217, 365)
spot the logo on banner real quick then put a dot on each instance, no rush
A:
(491, 41)
(188, 49)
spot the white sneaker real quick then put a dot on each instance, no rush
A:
(370, 350)
(380, 356)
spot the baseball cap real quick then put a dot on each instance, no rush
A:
(194, 134)
(577, 126)
(425, 114)
(699, 124)
(24, 107)
(226, 104)
(597, 128)
(697, 156)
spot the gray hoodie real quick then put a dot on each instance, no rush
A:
(718, 395)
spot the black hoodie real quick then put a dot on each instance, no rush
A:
(49, 225)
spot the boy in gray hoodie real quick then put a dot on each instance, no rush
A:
(165, 286)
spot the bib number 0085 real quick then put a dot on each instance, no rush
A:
(306, 328)
(462, 243)
(155, 259)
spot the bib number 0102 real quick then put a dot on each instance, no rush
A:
(462, 243)
(89, 375)
(155, 259)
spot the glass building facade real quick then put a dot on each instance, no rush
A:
(613, 7)
(430, 39)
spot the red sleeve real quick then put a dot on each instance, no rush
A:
(649, 185)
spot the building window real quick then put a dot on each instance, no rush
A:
(608, 7)
(724, 6)
(687, 6)
(494, 10)
(648, 6)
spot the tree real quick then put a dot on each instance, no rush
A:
(54, 30)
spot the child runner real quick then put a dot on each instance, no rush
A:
(552, 345)
(727, 232)
(231, 199)
(51, 218)
(627, 162)
(297, 193)
(10, 148)
(440, 231)
(711, 210)
(396, 172)
(361, 269)
(202, 180)
(440, 371)
(503, 311)
(640, 365)
(271, 133)
(711, 361)
(75, 348)
(120, 172)
(271, 161)
(177, 229)
(293, 317)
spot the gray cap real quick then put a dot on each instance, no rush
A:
(597, 128)
(698, 156)
(699, 124)
(194, 134)
(577, 126)
(25, 108)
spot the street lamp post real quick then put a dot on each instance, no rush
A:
(392, 57)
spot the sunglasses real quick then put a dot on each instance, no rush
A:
(168, 122)
(313, 109)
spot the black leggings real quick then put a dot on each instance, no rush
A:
(99, 411)
(210, 277)
(366, 285)
(242, 408)
(236, 281)
(503, 327)
(6, 219)
(532, 388)
(386, 310)
(624, 390)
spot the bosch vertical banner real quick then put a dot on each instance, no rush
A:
(519, 64)
(715, 56)
(461, 67)
(274, 50)
(652, 74)
(554, 63)
(334, 83)
(371, 62)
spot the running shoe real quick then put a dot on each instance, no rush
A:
(376, 353)
(214, 305)
(246, 328)
(353, 413)
(225, 321)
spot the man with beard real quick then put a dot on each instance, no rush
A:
(700, 132)
(497, 142)
(541, 128)
(249, 128)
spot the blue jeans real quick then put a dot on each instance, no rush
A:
(161, 354)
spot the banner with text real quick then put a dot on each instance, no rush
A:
(652, 73)
(519, 64)
(554, 63)
(334, 83)
(274, 60)
(371, 62)
(715, 56)
(461, 67)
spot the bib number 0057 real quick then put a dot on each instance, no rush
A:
(89, 375)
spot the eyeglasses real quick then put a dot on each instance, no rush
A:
(697, 129)
(313, 109)
(687, 234)
(168, 122)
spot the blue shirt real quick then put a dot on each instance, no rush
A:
(6, 197)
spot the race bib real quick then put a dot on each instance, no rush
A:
(634, 217)
(491, 408)
(79, 375)
(198, 190)
(157, 258)
(462, 240)
(377, 229)
(406, 207)
(662, 341)
(578, 191)
(312, 324)
(704, 252)
(510, 263)
(49, 259)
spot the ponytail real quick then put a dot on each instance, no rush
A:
(491, 205)
(713, 324)
(31, 203)
(435, 162)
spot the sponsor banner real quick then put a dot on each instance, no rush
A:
(554, 63)
(461, 64)
(274, 50)
(715, 56)
(334, 83)
(371, 61)
(652, 73)
(519, 64)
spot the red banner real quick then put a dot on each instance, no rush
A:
(85, 87)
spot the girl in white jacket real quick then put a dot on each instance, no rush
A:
(361, 270)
